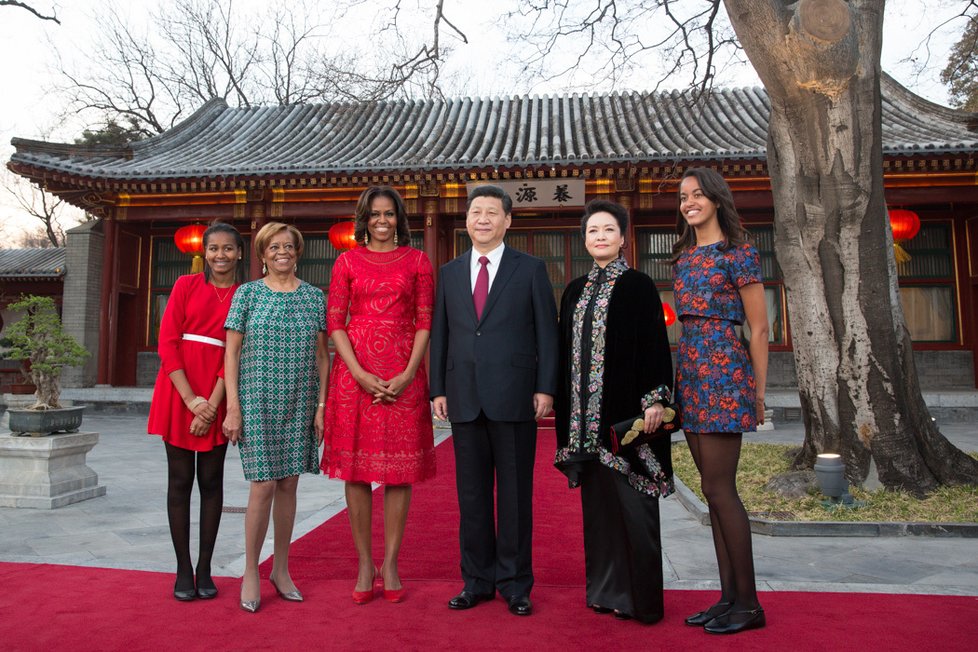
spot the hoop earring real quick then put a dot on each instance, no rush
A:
(395, 238)
(264, 269)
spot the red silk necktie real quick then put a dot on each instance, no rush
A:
(481, 291)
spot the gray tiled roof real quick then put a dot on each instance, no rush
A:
(32, 264)
(473, 133)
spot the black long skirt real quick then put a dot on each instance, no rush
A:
(622, 548)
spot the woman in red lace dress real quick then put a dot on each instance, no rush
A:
(188, 402)
(378, 418)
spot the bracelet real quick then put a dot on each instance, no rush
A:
(197, 401)
(320, 405)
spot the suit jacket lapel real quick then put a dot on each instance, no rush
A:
(463, 283)
(507, 266)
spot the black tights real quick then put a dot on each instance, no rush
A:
(209, 467)
(716, 456)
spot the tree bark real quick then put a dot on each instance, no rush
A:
(820, 64)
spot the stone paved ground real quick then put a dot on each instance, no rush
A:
(127, 528)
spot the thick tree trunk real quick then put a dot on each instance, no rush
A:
(819, 60)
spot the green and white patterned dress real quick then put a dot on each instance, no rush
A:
(278, 381)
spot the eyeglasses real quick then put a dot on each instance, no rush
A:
(275, 248)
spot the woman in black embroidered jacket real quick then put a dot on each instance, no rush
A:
(615, 365)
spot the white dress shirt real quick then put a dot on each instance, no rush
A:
(494, 256)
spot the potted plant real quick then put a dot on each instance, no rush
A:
(39, 339)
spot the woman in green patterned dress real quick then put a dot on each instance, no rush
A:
(276, 367)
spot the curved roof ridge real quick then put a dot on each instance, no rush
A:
(474, 132)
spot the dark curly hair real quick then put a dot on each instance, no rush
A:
(363, 213)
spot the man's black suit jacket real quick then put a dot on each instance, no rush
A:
(494, 364)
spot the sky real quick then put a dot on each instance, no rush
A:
(30, 50)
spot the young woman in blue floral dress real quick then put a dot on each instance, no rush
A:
(720, 384)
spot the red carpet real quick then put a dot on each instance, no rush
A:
(45, 606)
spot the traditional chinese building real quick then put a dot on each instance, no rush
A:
(307, 165)
(25, 271)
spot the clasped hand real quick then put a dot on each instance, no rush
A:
(384, 390)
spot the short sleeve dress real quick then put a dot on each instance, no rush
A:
(715, 387)
(278, 381)
(388, 297)
(198, 309)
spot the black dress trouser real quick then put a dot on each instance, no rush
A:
(495, 454)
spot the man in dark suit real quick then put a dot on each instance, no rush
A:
(493, 374)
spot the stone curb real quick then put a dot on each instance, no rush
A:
(695, 506)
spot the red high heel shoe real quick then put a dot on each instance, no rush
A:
(363, 597)
(391, 595)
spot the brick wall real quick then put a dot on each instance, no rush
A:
(82, 298)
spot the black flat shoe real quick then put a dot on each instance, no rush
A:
(205, 588)
(598, 609)
(185, 595)
(206, 593)
(723, 624)
(520, 606)
(467, 600)
(621, 615)
(701, 618)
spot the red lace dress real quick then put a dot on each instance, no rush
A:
(388, 297)
(195, 307)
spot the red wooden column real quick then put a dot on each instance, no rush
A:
(259, 217)
(109, 303)
(631, 251)
(431, 216)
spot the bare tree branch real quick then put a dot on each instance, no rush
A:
(610, 41)
(23, 5)
(37, 203)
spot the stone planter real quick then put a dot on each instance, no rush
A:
(37, 423)
(47, 472)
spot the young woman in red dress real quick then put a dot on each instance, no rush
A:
(378, 417)
(188, 402)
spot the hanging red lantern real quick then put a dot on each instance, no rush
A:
(342, 235)
(190, 240)
(905, 225)
(669, 314)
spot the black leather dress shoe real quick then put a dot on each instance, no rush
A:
(701, 618)
(733, 622)
(467, 599)
(520, 606)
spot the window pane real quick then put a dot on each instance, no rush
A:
(775, 321)
(317, 260)
(930, 253)
(676, 329)
(762, 237)
(929, 313)
(654, 248)
(157, 303)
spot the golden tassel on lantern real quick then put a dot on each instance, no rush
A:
(197, 264)
(900, 254)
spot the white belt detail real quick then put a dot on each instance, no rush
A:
(203, 339)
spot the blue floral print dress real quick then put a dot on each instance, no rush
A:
(715, 386)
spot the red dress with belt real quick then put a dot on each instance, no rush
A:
(389, 297)
(198, 309)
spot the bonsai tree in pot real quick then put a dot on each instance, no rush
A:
(39, 338)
